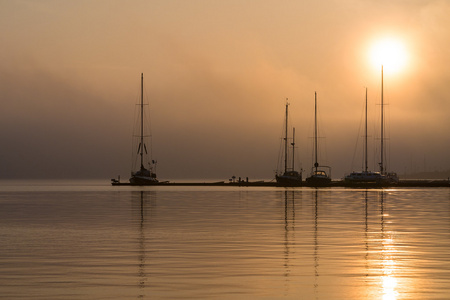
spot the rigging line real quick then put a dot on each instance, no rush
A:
(135, 136)
(297, 157)
(357, 141)
(325, 152)
(388, 128)
(280, 156)
(146, 115)
(280, 150)
(321, 135)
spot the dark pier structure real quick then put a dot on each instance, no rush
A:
(410, 183)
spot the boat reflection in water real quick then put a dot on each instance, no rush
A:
(289, 230)
(216, 242)
(142, 203)
(296, 242)
(373, 259)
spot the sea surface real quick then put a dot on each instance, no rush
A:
(89, 240)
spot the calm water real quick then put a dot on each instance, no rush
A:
(88, 240)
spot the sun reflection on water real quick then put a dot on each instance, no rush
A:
(388, 279)
(389, 285)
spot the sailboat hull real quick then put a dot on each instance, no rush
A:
(318, 181)
(365, 179)
(289, 179)
(143, 180)
(319, 177)
(370, 179)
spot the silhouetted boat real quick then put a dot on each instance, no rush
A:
(381, 178)
(290, 177)
(391, 177)
(145, 175)
(319, 176)
(365, 177)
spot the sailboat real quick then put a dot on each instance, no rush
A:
(145, 174)
(290, 177)
(365, 177)
(378, 178)
(319, 176)
(391, 177)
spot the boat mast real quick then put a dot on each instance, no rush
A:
(142, 121)
(293, 148)
(365, 136)
(316, 164)
(286, 138)
(382, 124)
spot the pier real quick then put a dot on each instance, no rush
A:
(335, 183)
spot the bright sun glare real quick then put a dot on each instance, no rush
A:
(390, 53)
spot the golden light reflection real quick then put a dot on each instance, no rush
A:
(389, 52)
(389, 281)
(388, 254)
(389, 285)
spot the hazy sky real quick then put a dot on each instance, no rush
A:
(217, 74)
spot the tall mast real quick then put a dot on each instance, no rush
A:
(382, 124)
(286, 138)
(316, 164)
(142, 121)
(293, 148)
(365, 136)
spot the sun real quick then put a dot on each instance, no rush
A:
(390, 53)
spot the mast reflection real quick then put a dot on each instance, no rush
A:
(316, 244)
(144, 199)
(289, 227)
(381, 269)
(366, 231)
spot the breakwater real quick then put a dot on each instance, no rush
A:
(334, 183)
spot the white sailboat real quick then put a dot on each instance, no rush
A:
(289, 177)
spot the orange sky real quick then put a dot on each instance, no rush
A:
(217, 74)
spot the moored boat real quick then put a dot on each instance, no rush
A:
(145, 175)
(369, 178)
(391, 177)
(290, 177)
(319, 176)
(365, 177)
